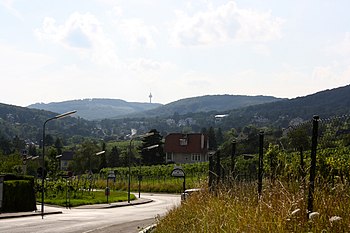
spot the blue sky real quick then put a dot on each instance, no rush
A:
(53, 51)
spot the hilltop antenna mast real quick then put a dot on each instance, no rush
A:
(150, 97)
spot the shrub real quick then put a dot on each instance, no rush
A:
(18, 193)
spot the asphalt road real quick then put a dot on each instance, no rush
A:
(120, 219)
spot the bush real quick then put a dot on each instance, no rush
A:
(18, 194)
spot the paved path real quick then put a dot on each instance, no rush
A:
(96, 218)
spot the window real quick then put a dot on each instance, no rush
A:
(169, 157)
(183, 141)
(196, 157)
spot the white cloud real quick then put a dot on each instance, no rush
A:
(332, 75)
(8, 4)
(11, 59)
(20, 71)
(224, 24)
(342, 47)
(322, 73)
(138, 34)
(82, 33)
(150, 71)
(116, 11)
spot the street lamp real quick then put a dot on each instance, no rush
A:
(43, 160)
(97, 153)
(58, 157)
(140, 176)
(90, 171)
(133, 132)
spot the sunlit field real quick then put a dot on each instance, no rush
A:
(281, 208)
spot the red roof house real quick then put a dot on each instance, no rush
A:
(186, 148)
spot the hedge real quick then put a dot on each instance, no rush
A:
(19, 194)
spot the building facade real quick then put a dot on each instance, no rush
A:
(186, 148)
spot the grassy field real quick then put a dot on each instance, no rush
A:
(87, 198)
(282, 208)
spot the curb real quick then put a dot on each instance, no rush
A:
(96, 206)
(115, 204)
(25, 214)
(148, 229)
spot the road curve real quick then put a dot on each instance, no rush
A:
(120, 219)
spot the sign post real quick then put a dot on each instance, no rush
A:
(111, 176)
(1, 190)
(180, 173)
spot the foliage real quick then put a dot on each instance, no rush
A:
(212, 139)
(14, 193)
(150, 155)
(27, 123)
(156, 178)
(10, 163)
(78, 191)
(281, 209)
(85, 158)
(93, 109)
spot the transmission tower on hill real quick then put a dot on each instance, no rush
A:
(150, 97)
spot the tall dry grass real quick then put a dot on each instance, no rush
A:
(282, 208)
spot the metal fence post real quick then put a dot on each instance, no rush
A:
(233, 154)
(218, 167)
(313, 165)
(211, 172)
(302, 167)
(261, 162)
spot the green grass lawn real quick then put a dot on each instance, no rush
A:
(87, 198)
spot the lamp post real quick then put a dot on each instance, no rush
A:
(43, 160)
(90, 167)
(97, 153)
(140, 176)
(133, 132)
(58, 157)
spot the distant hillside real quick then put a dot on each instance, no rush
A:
(277, 114)
(27, 124)
(328, 103)
(95, 109)
(200, 112)
(208, 103)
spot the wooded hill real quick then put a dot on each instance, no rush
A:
(27, 123)
(207, 103)
(328, 103)
(96, 109)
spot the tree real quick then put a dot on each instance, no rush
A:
(49, 141)
(18, 143)
(299, 138)
(85, 157)
(114, 157)
(213, 145)
(151, 149)
(103, 157)
(58, 146)
(176, 117)
(219, 136)
(32, 150)
(5, 145)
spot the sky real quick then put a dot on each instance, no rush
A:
(58, 50)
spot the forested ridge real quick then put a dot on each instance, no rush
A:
(27, 123)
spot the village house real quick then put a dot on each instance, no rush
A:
(186, 148)
(66, 159)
